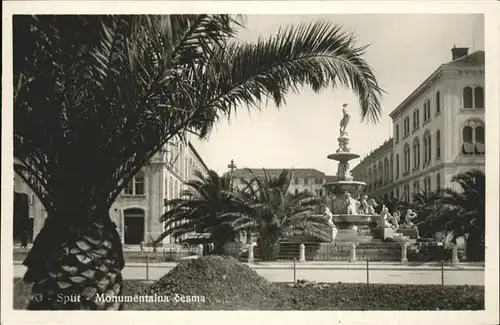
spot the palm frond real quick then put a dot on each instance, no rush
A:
(318, 55)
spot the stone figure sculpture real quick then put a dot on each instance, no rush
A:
(363, 204)
(410, 215)
(371, 205)
(351, 203)
(395, 219)
(384, 214)
(343, 147)
(345, 119)
(329, 215)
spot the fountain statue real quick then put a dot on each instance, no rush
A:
(395, 219)
(384, 216)
(410, 215)
(329, 215)
(349, 210)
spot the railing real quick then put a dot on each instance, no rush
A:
(349, 267)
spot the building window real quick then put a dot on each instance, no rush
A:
(306, 181)
(427, 110)
(467, 97)
(396, 137)
(296, 181)
(427, 148)
(406, 192)
(406, 126)
(407, 158)
(136, 186)
(416, 154)
(316, 180)
(380, 173)
(397, 166)
(473, 138)
(438, 181)
(427, 184)
(320, 192)
(478, 97)
(397, 193)
(416, 187)
(416, 119)
(391, 168)
(438, 145)
(386, 170)
(438, 103)
(375, 175)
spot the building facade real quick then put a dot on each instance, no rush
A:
(376, 170)
(438, 131)
(137, 210)
(304, 179)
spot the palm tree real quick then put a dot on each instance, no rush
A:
(206, 210)
(96, 97)
(276, 215)
(462, 212)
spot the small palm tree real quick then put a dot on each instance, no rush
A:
(462, 212)
(277, 215)
(205, 211)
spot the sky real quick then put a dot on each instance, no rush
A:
(404, 50)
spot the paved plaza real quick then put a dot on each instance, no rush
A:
(388, 273)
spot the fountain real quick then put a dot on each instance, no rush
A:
(350, 217)
(350, 211)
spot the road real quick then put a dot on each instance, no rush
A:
(325, 272)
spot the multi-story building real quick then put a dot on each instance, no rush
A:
(376, 170)
(137, 210)
(438, 131)
(304, 179)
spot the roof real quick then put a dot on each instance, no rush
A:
(197, 155)
(259, 172)
(474, 59)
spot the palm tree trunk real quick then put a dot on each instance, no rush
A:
(269, 247)
(76, 264)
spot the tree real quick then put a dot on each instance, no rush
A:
(96, 97)
(462, 212)
(277, 215)
(206, 210)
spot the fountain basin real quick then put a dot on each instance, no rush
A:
(343, 156)
(346, 221)
(340, 187)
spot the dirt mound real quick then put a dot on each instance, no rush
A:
(219, 280)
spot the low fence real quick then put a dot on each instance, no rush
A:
(439, 273)
(381, 252)
(314, 251)
(387, 263)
